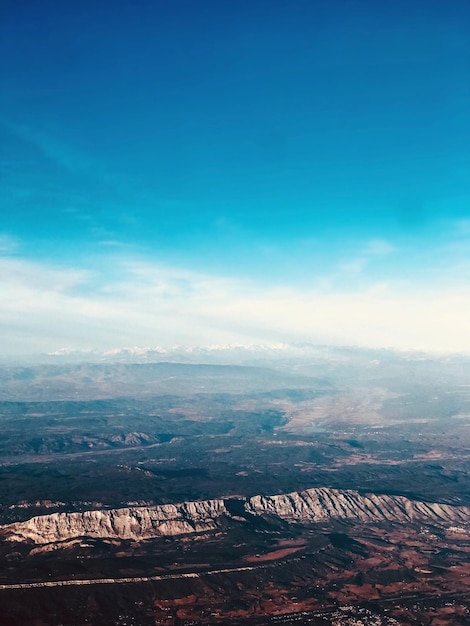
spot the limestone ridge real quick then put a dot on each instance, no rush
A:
(127, 523)
(310, 506)
(317, 505)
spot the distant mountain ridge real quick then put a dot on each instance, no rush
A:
(223, 353)
(93, 380)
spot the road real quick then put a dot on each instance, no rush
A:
(136, 579)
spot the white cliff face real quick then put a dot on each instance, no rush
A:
(129, 523)
(317, 505)
(310, 506)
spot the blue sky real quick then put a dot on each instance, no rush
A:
(263, 171)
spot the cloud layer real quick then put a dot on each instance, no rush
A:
(130, 302)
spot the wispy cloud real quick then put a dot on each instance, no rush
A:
(353, 267)
(367, 254)
(377, 247)
(132, 302)
(61, 152)
(462, 227)
(8, 244)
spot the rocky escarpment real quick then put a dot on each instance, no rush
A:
(310, 506)
(322, 504)
(127, 523)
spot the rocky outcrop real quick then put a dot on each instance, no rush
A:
(318, 505)
(310, 506)
(128, 523)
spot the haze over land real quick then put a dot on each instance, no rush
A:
(235, 486)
